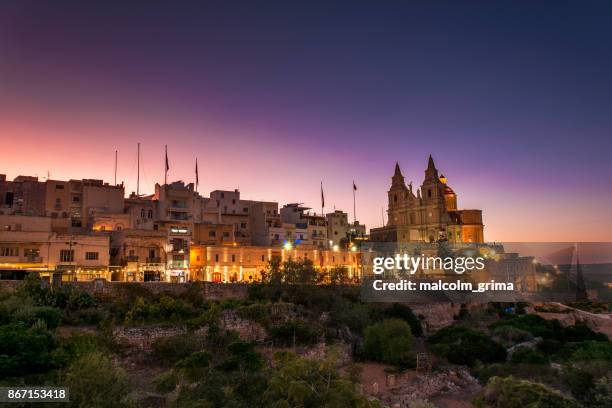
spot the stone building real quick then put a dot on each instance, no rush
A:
(231, 263)
(428, 215)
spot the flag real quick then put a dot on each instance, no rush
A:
(167, 164)
(322, 197)
(354, 186)
(197, 176)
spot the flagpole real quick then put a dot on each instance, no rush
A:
(115, 167)
(322, 199)
(138, 173)
(166, 167)
(354, 212)
(197, 177)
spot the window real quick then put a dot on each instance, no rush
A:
(234, 201)
(233, 258)
(226, 234)
(243, 225)
(429, 193)
(142, 213)
(67, 255)
(91, 256)
(9, 251)
(150, 214)
(59, 186)
(245, 209)
(263, 258)
(31, 252)
(212, 234)
(76, 199)
(216, 257)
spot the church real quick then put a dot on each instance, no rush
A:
(430, 215)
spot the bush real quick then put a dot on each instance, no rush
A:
(294, 330)
(403, 312)
(24, 350)
(593, 350)
(511, 335)
(601, 396)
(539, 373)
(30, 315)
(461, 345)
(510, 392)
(173, 348)
(389, 342)
(165, 382)
(527, 355)
(534, 324)
(96, 382)
(194, 366)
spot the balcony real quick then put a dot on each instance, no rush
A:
(154, 260)
(131, 258)
(30, 259)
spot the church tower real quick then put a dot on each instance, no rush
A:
(398, 195)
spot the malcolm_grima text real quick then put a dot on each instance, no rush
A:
(408, 285)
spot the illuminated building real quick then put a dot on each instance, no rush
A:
(430, 215)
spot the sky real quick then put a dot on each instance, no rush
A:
(512, 99)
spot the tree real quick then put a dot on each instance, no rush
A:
(96, 382)
(300, 382)
(338, 275)
(24, 350)
(389, 342)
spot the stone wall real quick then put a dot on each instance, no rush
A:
(210, 290)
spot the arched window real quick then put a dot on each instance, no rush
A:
(150, 215)
(142, 213)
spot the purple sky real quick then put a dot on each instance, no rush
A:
(514, 101)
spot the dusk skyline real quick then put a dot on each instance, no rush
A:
(513, 102)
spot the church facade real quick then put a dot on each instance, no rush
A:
(428, 215)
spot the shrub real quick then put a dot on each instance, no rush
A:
(24, 350)
(461, 345)
(173, 348)
(581, 332)
(527, 355)
(601, 396)
(165, 382)
(539, 373)
(194, 366)
(534, 324)
(510, 392)
(511, 335)
(403, 312)
(294, 330)
(30, 315)
(389, 342)
(593, 350)
(96, 382)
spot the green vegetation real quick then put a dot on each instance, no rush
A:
(61, 336)
(461, 345)
(389, 342)
(511, 392)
